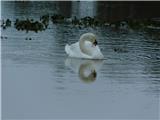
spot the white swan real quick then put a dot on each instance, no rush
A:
(86, 48)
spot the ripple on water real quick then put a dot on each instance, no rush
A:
(35, 70)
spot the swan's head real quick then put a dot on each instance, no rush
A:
(89, 37)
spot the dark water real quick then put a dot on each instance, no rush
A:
(39, 81)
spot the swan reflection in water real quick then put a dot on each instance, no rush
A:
(86, 69)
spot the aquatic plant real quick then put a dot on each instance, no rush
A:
(29, 25)
(122, 25)
(6, 23)
(57, 18)
(45, 20)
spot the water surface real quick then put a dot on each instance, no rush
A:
(39, 81)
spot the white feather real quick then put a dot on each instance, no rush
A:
(74, 50)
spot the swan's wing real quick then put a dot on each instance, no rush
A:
(73, 50)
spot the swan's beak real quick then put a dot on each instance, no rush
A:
(95, 43)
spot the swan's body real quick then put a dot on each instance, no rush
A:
(85, 48)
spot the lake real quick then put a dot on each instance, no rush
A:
(39, 81)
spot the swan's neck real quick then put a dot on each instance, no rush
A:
(83, 47)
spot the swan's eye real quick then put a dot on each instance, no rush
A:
(95, 42)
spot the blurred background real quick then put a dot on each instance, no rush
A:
(107, 10)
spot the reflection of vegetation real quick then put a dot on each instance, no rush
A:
(31, 25)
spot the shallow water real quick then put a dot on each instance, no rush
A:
(39, 81)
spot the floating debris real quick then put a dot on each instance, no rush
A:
(28, 38)
(4, 37)
(120, 50)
